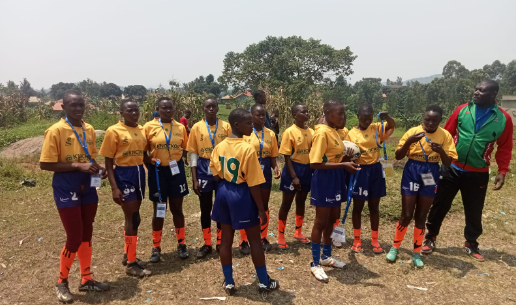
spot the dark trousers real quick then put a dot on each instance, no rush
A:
(473, 187)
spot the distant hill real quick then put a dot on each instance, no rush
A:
(425, 80)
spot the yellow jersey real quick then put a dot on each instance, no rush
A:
(343, 133)
(326, 145)
(366, 142)
(199, 141)
(440, 136)
(270, 145)
(296, 143)
(157, 144)
(61, 144)
(124, 143)
(235, 160)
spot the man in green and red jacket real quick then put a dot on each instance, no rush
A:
(475, 128)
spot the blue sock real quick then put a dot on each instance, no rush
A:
(316, 253)
(326, 251)
(227, 270)
(263, 277)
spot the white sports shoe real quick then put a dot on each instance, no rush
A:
(336, 243)
(331, 262)
(319, 273)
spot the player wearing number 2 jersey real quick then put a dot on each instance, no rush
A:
(167, 140)
(204, 136)
(424, 145)
(238, 203)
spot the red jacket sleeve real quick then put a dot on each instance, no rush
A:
(451, 124)
(504, 150)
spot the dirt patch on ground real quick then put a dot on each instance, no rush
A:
(25, 148)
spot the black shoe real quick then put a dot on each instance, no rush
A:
(266, 245)
(217, 247)
(155, 255)
(428, 246)
(205, 250)
(138, 261)
(244, 248)
(92, 285)
(472, 250)
(63, 292)
(182, 251)
(273, 285)
(229, 289)
(134, 269)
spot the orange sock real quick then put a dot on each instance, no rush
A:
(264, 228)
(281, 231)
(125, 248)
(219, 236)
(419, 235)
(243, 236)
(130, 247)
(84, 255)
(299, 225)
(66, 259)
(156, 238)
(336, 223)
(357, 244)
(399, 235)
(180, 234)
(374, 239)
(206, 233)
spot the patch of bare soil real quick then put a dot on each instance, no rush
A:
(24, 148)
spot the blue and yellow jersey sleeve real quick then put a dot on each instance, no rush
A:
(199, 141)
(157, 144)
(440, 136)
(235, 160)
(296, 143)
(125, 144)
(270, 146)
(61, 145)
(326, 145)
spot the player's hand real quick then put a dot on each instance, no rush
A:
(499, 181)
(296, 184)
(438, 148)
(91, 168)
(277, 172)
(103, 173)
(153, 161)
(415, 137)
(263, 217)
(118, 198)
(196, 187)
(351, 167)
(384, 115)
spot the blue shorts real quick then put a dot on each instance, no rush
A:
(171, 186)
(370, 183)
(130, 180)
(206, 181)
(73, 189)
(235, 206)
(267, 173)
(328, 188)
(303, 173)
(412, 183)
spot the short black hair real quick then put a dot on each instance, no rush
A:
(257, 94)
(256, 106)
(328, 104)
(294, 108)
(365, 107)
(210, 99)
(188, 111)
(69, 93)
(124, 101)
(435, 108)
(164, 98)
(492, 84)
(237, 115)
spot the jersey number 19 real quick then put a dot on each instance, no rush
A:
(232, 166)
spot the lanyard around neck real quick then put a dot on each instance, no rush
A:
(84, 144)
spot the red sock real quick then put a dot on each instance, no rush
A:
(84, 255)
(299, 225)
(243, 236)
(156, 238)
(180, 234)
(281, 231)
(66, 261)
(419, 235)
(357, 244)
(264, 228)
(336, 223)
(125, 248)
(130, 247)
(374, 239)
(219, 236)
(206, 233)
(399, 235)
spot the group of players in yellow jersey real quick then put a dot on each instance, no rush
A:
(237, 161)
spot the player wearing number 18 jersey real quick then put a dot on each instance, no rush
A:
(204, 136)
(238, 203)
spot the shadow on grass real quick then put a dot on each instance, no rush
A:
(124, 288)
(354, 273)
(171, 263)
(251, 293)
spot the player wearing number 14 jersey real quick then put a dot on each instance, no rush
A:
(204, 136)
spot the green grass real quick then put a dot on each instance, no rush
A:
(31, 128)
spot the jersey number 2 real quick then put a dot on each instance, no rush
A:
(232, 166)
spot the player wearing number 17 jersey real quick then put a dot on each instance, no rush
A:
(204, 136)
(238, 203)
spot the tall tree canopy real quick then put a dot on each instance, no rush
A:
(110, 89)
(204, 85)
(57, 90)
(27, 89)
(135, 91)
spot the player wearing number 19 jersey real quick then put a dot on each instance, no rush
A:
(238, 203)
(204, 136)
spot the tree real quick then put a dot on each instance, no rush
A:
(57, 90)
(292, 64)
(137, 92)
(338, 90)
(110, 89)
(204, 85)
(89, 87)
(27, 89)
(509, 78)
(454, 69)
(495, 70)
(369, 91)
